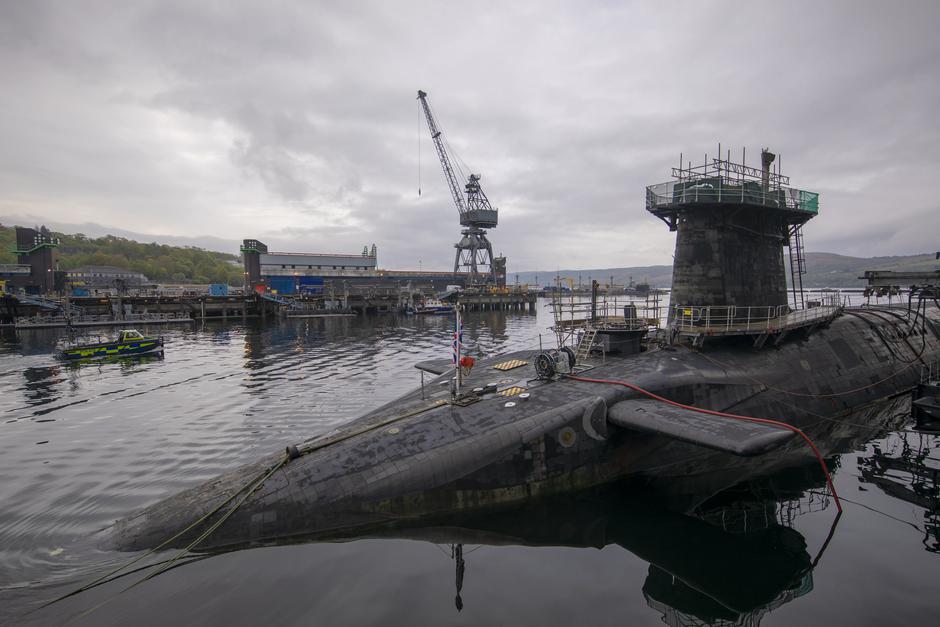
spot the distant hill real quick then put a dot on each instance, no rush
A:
(831, 270)
(823, 270)
(657, 276)
(159, 262)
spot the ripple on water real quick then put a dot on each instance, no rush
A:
(122, 435)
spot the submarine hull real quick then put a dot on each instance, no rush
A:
(425, 454)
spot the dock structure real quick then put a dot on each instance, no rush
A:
(59, 321)
(887, 282)
(195, 307)
(34, 312)
(293, 273)
(31, 312)
(279, 284)
(509, 301)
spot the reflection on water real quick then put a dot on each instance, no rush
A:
(698, 570)
(903, 468)
(41, 384)
(117, 436)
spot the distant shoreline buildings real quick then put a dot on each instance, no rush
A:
(297, 273)
(106, 277)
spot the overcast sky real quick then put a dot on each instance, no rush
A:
(297, 123)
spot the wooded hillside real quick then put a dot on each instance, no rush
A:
(159, 262)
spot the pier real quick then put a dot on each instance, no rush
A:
(52, 322)
(34, 313)
(509, 301)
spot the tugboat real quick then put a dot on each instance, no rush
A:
(129, 342)
(434, 306)
(741, 381)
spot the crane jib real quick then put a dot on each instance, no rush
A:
(474, 253)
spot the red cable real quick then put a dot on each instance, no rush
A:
(722, 414)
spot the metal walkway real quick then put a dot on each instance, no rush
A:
(274, 298)
(49, 304)
(701, 322)
(59, 321)
(39, 301)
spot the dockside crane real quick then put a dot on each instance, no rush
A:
(474, 251)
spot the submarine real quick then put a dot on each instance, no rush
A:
(742, 378)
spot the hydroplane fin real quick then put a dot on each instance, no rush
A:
(737, 437)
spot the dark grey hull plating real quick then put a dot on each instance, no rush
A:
(422, 455)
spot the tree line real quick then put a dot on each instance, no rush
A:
(158, 262)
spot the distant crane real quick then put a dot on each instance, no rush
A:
(474, 251)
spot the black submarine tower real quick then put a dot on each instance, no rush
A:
(732, 222)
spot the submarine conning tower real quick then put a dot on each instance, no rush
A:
(732, 222)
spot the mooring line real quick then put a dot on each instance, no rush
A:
(246, 490)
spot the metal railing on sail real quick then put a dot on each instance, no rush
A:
(720, 190)
(748, 319)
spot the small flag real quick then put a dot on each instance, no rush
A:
(457, 341)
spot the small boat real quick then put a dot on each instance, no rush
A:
(129, 342)
(434, 306)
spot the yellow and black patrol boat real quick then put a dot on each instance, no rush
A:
(129, 342)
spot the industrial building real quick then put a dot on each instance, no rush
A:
(106, 277)
(315, 273)
(37, 260)
(295, 273)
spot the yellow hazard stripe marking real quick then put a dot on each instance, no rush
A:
(513, 391)
(88, 352)
(509, 365)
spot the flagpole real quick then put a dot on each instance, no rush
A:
(457, 347)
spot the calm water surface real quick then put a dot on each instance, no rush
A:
(83, 445)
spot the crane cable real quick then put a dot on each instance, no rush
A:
(419, 148)
(721, 414)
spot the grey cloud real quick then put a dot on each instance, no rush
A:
(297, 122)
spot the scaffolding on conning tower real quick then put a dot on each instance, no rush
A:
(579, 318)
(722, 181)
(729, 273)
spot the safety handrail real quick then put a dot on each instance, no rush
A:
(717, 189)
(753, 318)
(131, 317)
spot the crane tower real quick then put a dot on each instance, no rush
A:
(474, 251)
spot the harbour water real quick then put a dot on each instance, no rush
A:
(84, 444)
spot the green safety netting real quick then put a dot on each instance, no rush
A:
(809, 201)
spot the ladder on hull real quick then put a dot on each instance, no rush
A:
(797, 265)
(586, 344)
